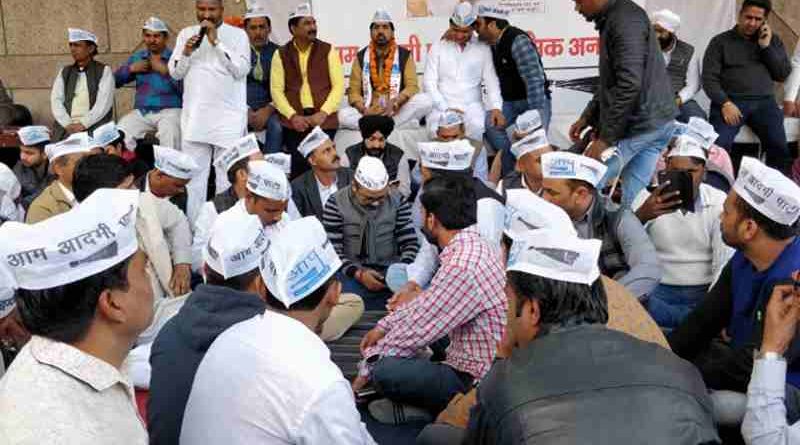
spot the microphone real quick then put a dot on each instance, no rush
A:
(201, 34)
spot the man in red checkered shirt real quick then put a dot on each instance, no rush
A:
(465, 301)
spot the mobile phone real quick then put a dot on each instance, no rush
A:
(679, 181)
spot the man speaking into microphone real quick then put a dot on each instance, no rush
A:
(213, 60)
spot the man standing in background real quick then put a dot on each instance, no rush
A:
(213, 59)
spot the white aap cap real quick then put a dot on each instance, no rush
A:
(451, 156)
(9, 184)
(267, 181)
(302, 10)
(382, 16)
(526, 211)
(299, 261)
(371, 174)
(155, 24)
(563, 165)
(312, 141)
(550, 254)
(256, 9)
(688, 146)
(282, 161)
(106, 134)
(768, 191)
(701, 130)
(667, 20)
(92, 237)
(173, 163)
(534, 141)
(242, 148)
(528, 122)
(237, 242)
(76, 143)
(451, 118)
(493, 10)
(79, 35)
(33, 135)
(463, 15)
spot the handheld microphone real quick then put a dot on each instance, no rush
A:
(201, 34)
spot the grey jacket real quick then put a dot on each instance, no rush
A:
(592, 385)
(635, 94)
(305, 192)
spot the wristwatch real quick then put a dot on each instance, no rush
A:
(769, 356)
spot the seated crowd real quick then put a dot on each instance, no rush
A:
(642, 286)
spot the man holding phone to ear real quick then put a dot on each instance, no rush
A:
(213, 60)
(740, 69)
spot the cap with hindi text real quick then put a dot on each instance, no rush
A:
(81, 35)
(312, 141)
(242, 148)
(173, 163)
(688, 146)
(563, 165)
(267, 181)
(463, 15)
(371, 174)
(283, 161)
(536, 140)
(549, 254)
(75, 143)
(768, 191)
(155, 24)
(527, 211)
(451, 156)
(237, 242)
(33, 135)
(302, 10)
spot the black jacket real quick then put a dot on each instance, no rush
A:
(589, 384)
(180, 347)
(305, 193)
(635, 94)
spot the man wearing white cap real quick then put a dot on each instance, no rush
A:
(683, 64)
(281, 385)
(688, 242)
(261, 115)
(759, 220)
(455, 72)
(235, 162)
(83, 293)
(528, 154)
(268, 195)
(307, 84)
(158, 102)
(523, 82)
(383, 80)
(58, 197)
(110, 139)
(173, 170)
(82, 97)
(563, 370)
(311, 190)
(31, 169)
(465, 301)
(628, 256)
(212, 59)
(370, 226)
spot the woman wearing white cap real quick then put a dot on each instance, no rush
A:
(82, 97)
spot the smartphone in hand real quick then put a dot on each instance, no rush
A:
(679, 181)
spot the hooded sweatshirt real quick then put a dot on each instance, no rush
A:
(180, 347)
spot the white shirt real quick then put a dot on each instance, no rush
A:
(765, 420)
(453, 77)
(102, 104)
(693, 76)
(68, 194)
(55, 393)
(792, 86)
(214, 85)
(690, 246)
(205, 222)
(270, 380)
(326, 192)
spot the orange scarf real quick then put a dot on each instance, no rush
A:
(381, 81)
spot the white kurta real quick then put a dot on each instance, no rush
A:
(90, 115)
(270, 379)
(214, 85)
(792, 85)
(693, 76)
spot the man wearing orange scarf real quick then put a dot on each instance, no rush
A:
(383, 80)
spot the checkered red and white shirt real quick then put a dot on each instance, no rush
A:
(465, 300)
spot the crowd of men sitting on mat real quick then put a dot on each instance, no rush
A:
(522, 309)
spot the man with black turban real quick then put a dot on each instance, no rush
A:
(375, 131)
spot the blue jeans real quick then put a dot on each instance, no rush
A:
(373, 301)
(669, 305)
(274, 142)
(498, 136)
(689, 110)
(765, 118)
(636, 158)
(419, 382)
